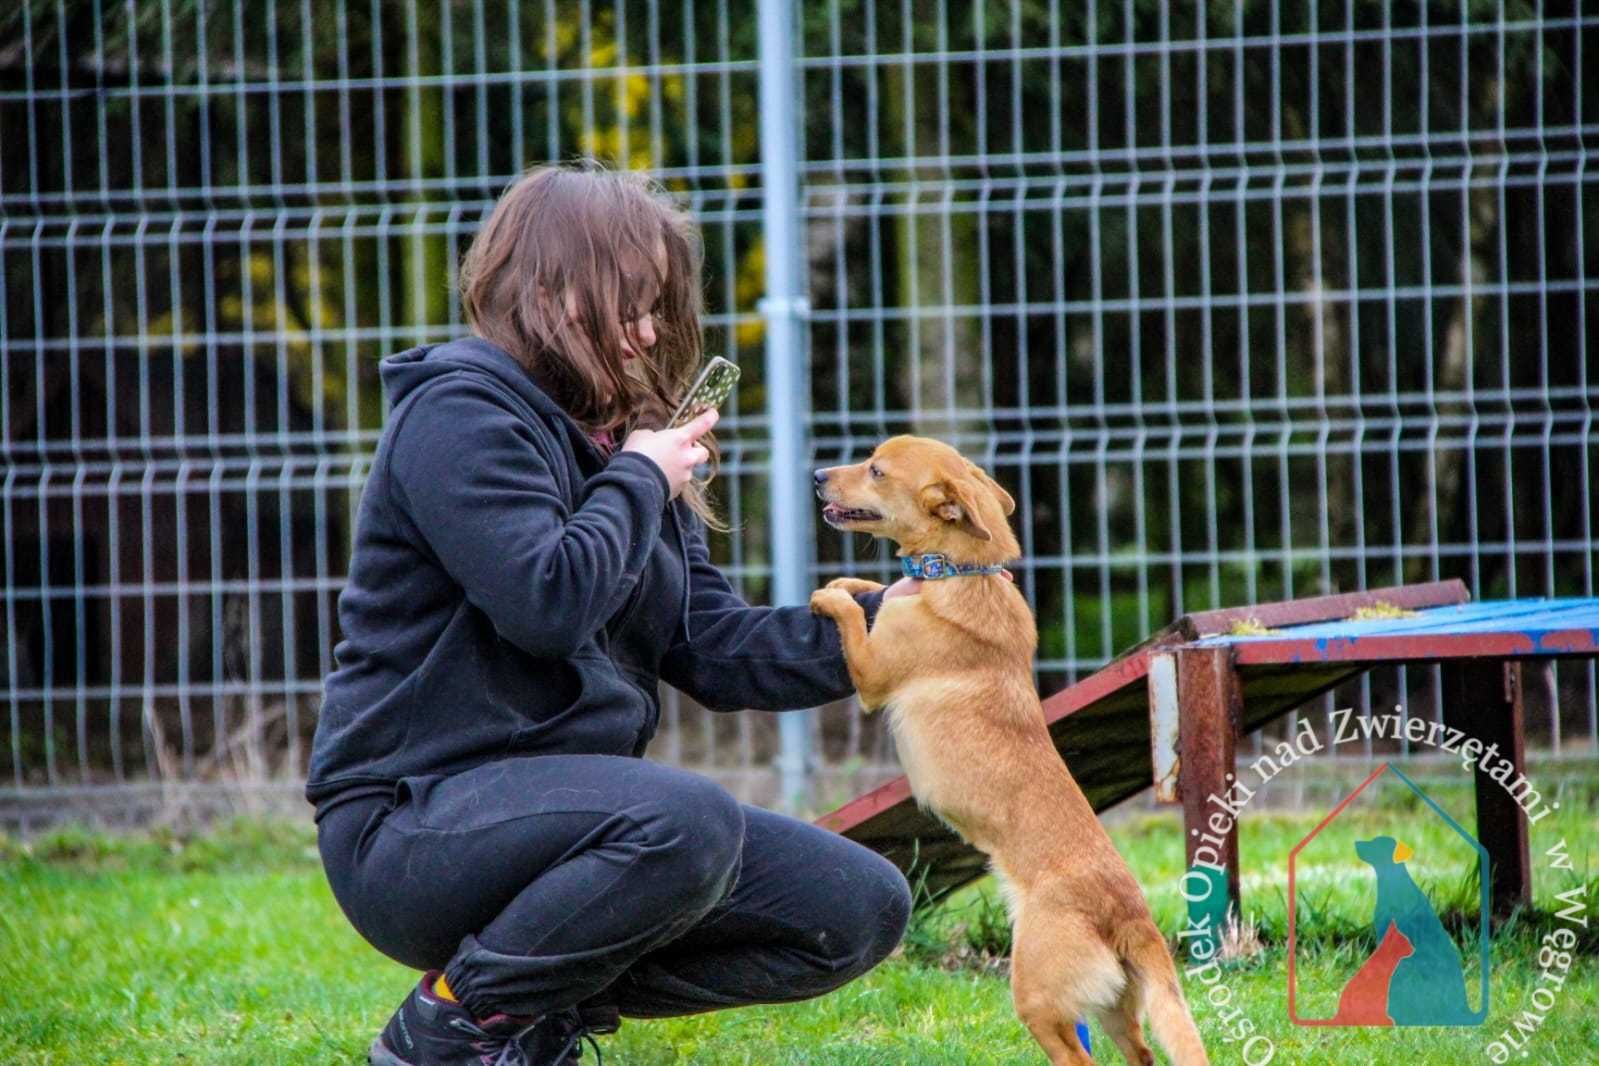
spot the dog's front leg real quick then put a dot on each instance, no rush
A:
(855, 585)
(859, 654)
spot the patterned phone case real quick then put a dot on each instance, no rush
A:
(715, 383)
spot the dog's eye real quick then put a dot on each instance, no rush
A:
(876, 470)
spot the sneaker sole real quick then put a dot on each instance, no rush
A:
(378, 1055)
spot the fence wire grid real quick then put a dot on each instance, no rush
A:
(1242, 301)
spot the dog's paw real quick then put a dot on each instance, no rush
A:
(855, 585)
(832, 603)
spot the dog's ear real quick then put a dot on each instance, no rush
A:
(955, 501)
(1006, 504)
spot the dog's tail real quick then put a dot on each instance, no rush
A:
(1149, 965)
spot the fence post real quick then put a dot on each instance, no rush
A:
(787, 391)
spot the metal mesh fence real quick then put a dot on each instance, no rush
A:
(1242, 301)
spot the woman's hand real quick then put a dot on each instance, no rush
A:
(905, 586)
(676, 451)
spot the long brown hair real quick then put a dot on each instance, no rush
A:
(568, 259)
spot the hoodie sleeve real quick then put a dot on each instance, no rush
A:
(478, 490)
(764, 658)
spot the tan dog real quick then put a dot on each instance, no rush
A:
(954, 667)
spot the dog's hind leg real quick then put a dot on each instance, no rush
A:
(1038, 1005)
(1059, 969)
(1124, 1025)
(1059, 1042)
(1153, 974)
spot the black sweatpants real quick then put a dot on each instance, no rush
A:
(541, 883)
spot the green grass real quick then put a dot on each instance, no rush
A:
(229, 948)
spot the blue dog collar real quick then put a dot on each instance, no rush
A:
(936, 565)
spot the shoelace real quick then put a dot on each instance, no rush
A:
(510, 1047)
(580, 1034)
(512, 1051)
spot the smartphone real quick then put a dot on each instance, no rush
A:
(714, 384)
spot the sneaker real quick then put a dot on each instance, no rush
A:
(430, 1031)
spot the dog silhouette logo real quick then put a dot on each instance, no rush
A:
(1416, 974)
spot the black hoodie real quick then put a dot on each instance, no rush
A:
(514, 592)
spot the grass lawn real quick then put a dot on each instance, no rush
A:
(229, 948)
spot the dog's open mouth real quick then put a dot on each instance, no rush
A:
(834, 514)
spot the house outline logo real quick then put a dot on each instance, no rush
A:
(1415, 976)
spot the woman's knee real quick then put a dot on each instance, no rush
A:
(888, 904)
(694, 834)
(864, 925)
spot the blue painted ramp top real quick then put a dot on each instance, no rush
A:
(1492, 628)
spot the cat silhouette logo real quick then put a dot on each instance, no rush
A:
(1413, 970)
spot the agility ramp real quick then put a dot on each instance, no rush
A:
(1168, 713)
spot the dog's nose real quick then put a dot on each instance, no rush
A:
(820, 476)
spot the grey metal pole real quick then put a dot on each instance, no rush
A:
(787, 392)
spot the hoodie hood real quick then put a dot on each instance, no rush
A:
(403, 373)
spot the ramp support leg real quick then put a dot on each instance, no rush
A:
(1484, 698)
(1211, 706)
